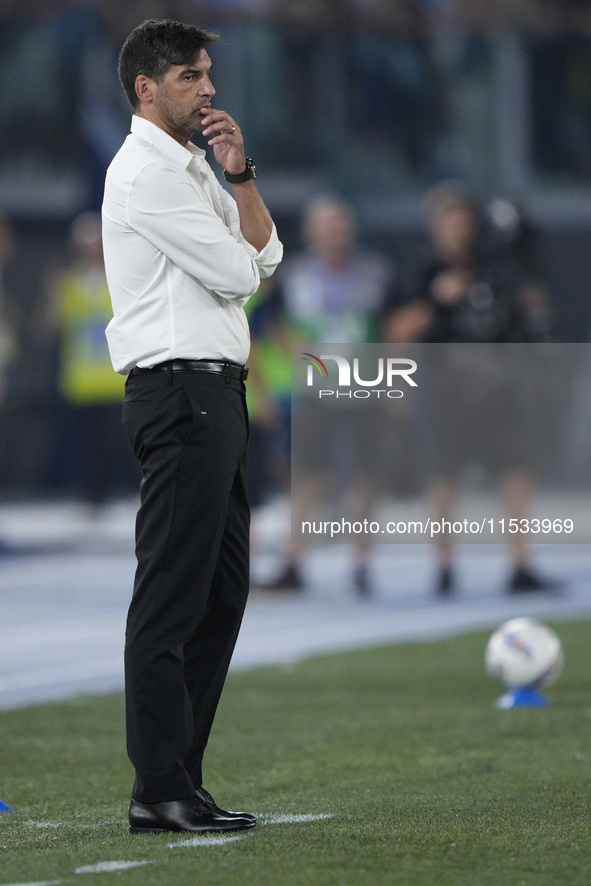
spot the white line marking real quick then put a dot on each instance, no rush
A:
(293, 819)
(38, 883)
(221, 839)
(107, 867)
(213, 840)
(73, 824)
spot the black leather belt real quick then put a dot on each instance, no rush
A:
(233, 370)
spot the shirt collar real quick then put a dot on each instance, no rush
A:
(164, 143)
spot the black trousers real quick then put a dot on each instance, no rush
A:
(189, 432)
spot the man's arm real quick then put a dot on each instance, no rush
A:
(225, 137)
(164, 209)
(256, 223)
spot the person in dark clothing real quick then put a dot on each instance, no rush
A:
(470, 292)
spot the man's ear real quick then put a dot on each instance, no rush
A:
(145, 88)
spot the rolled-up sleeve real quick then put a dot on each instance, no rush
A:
(269, 257)
(271, 254)
(167, 209)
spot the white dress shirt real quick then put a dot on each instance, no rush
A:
(179, 270)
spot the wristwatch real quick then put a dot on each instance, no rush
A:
(249, 173)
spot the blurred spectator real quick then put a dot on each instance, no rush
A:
(333, 291)
(464, 292)
(465, 289)
(91, 446)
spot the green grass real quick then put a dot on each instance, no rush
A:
(426, 781)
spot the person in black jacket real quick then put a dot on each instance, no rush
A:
(470, 291)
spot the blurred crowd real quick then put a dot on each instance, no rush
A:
(400, 15)
(472, 277)
(474, 280)
(408, 85)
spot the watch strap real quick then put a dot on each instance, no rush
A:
(249, 174)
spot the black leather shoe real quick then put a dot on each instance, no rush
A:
(192, 814)
(206, 798)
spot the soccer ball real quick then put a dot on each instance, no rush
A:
(523, 653)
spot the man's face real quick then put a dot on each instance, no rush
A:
(184, 90)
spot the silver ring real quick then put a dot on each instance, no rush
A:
(233, 130)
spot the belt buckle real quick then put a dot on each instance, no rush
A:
(234, 370)
(231, 371)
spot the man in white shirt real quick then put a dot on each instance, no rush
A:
(182, 258)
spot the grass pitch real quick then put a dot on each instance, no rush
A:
(424, 780)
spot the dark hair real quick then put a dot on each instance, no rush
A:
(153, 47)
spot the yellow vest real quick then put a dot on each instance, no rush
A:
(86, 373)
